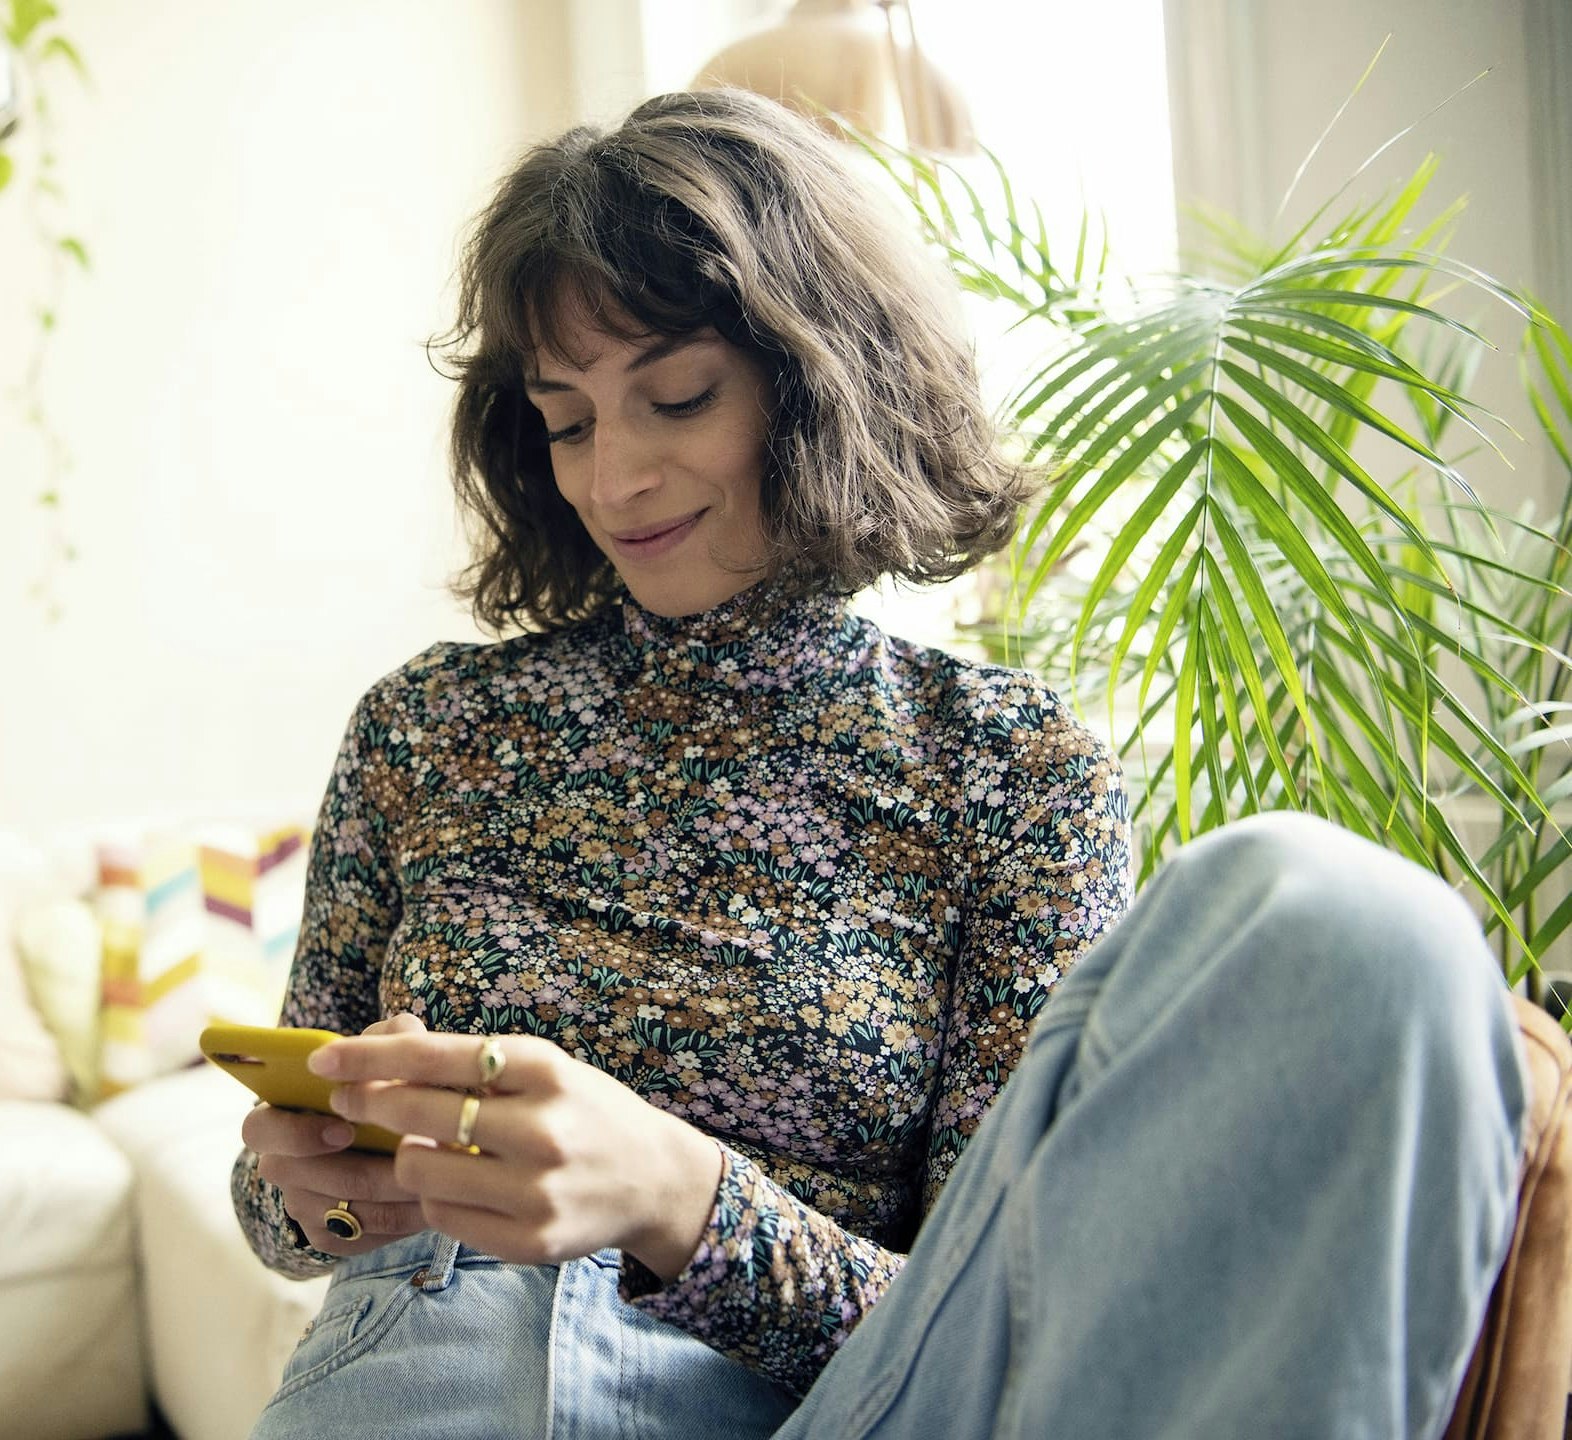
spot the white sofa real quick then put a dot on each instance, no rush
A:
(125, 1282)
(126, 1278)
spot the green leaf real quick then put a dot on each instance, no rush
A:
(1128, 537)
(1184, 719)
(1315, 438)
(26, 17)
(1179, 600)
(1544, 936)
(1371, 358)
(1138, 452)
(59, 45)
(1435, 822)
(75, 249)
(1341, 398)
(7, 169)
(1145, 594)
(1275, 297)
(1232, 645)
(1241, 654)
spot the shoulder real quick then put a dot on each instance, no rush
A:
(463, 679)
(985, 710)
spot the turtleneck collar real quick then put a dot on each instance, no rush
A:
(760, 639)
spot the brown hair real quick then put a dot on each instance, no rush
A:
(719, 209)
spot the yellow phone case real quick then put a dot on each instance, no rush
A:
(272, 1062)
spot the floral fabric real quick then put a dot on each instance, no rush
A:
(802, 884)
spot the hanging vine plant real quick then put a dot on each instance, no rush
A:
(33, 52)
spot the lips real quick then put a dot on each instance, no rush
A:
(664, 527)
(653, 540)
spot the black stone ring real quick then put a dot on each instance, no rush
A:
(342, 1222)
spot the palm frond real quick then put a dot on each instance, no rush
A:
(1261, 540)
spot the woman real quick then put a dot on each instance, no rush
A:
(762, 906)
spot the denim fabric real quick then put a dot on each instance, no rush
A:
(1254, 1176)
(426, 1339)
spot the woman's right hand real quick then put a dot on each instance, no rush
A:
(315, 1172)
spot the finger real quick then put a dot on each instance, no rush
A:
(437, 1058)
(270, 1131)
(354, 1176)
(401, 1024)
(419, 1110)
(506, 1236)
(380, 1222)
(438, 1173)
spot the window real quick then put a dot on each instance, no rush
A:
(1072, 98)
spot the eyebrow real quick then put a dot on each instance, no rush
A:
(658, 351)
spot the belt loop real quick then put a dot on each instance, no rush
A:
(438, 1271)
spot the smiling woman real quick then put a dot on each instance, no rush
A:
(740, 978)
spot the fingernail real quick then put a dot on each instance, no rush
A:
(323, 1062)
(420, 1142)
(337, 1133)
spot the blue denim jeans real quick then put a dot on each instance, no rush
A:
(1254, 1176)
(426, 1339)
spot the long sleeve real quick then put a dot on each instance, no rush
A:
(351, 908)
(1050, 823)
(777, 1284)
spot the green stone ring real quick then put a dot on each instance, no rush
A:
(491, 1061)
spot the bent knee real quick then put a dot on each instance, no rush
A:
(1343, 916)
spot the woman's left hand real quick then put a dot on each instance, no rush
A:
(571, 1161)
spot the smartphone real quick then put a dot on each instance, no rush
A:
(272, 1062)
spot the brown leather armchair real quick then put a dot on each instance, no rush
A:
(1517, 1382)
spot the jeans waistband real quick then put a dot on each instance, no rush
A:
(429, 1251)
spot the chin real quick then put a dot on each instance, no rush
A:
(685, 597)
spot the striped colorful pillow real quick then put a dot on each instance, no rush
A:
(197, 926)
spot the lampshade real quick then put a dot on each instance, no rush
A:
(852, 58)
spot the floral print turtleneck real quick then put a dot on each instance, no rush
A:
(801, 883)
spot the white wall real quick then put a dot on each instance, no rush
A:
(271, 194)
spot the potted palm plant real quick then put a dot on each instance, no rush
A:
(1257, 544)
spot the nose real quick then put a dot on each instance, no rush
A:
(624, 466)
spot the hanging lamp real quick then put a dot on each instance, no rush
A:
(858, 59)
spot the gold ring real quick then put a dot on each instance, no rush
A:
(491, 1060)
(342, 1222)
(468, 1112)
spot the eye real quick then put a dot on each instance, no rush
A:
(568, 435)
(688, 407)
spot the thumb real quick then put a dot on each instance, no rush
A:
(401, 1024)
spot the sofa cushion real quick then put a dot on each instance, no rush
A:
(59, 946)
(70, 1334)
(30, 1063)
(31, 1067)
(64, 1192)
(210, 1306)
(199, 924)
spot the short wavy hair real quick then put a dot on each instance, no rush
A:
(721, 210)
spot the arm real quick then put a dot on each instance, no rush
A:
(1052, 875)
(775, 1283)
(351, 909)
